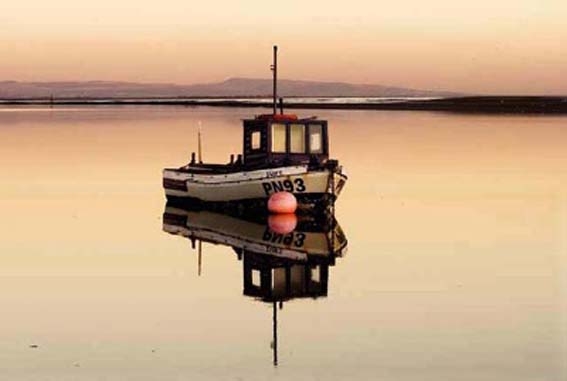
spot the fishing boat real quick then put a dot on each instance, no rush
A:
(281, 152)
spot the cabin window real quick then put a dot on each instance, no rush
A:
(256, 142)
(279, 280)
(315, 138)
(297, 277)
(297, 138)
(316, 274)
(278, 137)
(256, 279)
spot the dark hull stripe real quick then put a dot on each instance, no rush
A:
(180, 185)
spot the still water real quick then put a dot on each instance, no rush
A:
(456, 267)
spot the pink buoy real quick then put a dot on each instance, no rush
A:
(282, 223)
(282, 202)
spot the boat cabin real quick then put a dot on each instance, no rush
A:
(278, 279)
(277, 140)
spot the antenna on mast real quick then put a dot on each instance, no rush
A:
(274, 68)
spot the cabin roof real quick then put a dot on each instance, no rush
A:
(285, 118)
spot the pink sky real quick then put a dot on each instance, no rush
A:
(484, 46)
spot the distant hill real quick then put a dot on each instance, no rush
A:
(233, 87)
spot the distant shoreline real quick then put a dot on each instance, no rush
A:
(467, 104)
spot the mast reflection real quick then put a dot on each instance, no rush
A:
(277, 266)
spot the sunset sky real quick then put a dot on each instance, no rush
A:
(482, 46)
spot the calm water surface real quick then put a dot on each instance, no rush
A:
(456, 266)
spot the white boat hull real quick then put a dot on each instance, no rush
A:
(253, 185)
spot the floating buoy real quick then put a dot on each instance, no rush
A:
(282, 203)
(282, 223)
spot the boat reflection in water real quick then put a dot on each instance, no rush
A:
(277, 266)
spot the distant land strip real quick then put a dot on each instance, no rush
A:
(467, 104)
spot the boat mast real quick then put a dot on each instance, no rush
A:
(275, 72)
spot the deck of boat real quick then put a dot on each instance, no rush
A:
(211, 169)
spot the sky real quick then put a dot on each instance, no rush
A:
(482, 46)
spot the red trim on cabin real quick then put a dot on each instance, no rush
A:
(278, 117)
